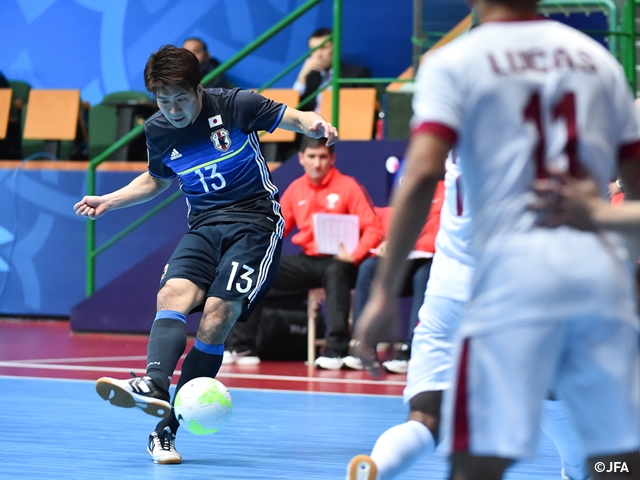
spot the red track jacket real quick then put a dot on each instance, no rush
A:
(337, 193)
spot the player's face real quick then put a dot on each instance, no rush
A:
(317, 162)
(181, 107)
(324, 55)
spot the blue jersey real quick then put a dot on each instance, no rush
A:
(217, 158)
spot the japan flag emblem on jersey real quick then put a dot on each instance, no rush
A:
(215, 121)
(221, 140)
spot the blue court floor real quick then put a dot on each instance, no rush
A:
(61, 429)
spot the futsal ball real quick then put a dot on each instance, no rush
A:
(203, 405)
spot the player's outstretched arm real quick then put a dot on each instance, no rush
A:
(310, 124)
(141, 189)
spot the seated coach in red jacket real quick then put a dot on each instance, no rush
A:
(322, 189)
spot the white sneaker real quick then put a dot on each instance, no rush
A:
(396, 366)
(227, 358)
(162, 447)
(328, 363)
(247, 358)
(400, 364)
(362, 467)
(352, 363)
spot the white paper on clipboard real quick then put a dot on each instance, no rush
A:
(332, 229)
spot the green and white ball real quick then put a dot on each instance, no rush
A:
(203, 406)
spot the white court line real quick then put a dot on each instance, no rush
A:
(245, 376)
(251, 389)
(86, 359)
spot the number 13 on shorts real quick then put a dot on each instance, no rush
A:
(243, 285)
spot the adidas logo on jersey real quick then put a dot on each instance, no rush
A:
(175, 154)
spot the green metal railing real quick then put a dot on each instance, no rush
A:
(628, 43)
(587, 7)
(621, 26)
(336, 38)
(92, 251)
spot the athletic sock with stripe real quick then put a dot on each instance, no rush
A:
(204, 360)
(167, 342)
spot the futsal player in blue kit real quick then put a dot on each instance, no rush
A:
(228, 259)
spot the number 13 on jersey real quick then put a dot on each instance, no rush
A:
(244, 285)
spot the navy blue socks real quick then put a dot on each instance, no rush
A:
(167, 342)
(204, 360)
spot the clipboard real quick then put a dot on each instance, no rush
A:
(332, 229)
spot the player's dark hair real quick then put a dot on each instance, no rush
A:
(321, 32)
(197, 39)
(308, 142)
(172, 67)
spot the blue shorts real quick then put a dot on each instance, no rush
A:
(232, 261)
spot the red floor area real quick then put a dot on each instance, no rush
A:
(37, 348)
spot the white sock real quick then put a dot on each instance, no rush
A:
(556, 424)
(399, 447)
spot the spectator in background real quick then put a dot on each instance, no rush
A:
(416, 275)
(207, 63)
(322, 189)
(317, 70)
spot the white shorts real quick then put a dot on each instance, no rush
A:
(450, 277)
(432, 348)
(502, 376)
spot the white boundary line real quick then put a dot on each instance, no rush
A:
(86, 359)
(231, 389)
(244, 376)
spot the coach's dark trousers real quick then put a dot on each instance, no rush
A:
(300, 273)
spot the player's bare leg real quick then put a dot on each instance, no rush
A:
(425, 408)
(218, 318)
(465, 466)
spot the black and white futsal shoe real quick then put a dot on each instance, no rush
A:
(162, 447)
(138, 392)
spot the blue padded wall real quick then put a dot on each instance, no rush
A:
(101, 46)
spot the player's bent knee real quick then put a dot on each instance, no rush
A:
(427, 402)
(179, 291)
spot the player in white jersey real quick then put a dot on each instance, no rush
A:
(431, 364)
(550, 309)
